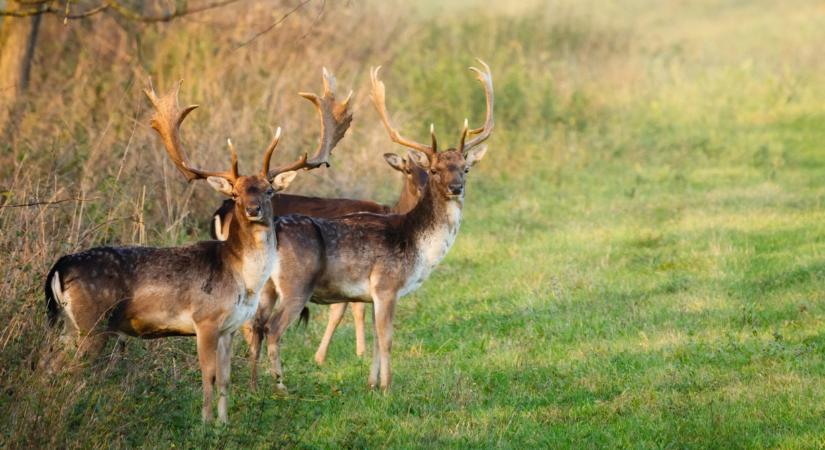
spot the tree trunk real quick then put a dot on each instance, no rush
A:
(18, 37)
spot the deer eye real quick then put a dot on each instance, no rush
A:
(270, 192)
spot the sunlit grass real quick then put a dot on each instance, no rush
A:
(641, 256)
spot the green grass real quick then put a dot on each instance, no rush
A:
(640, 263)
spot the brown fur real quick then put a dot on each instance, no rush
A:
(415, 179)
(152, 292)
(367, 257)
(208, 289)
(360, 257)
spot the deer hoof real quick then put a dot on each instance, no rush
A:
(319, 359)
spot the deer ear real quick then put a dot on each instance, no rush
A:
(282, 180)
(475, 155)
(419, 158)
(395, 161)
(221, 227)
(221, 185)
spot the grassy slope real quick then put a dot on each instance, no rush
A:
(640, 262)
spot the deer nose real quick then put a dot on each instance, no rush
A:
(455, 188)
(253, 211)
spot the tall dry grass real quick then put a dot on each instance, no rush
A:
(85, 169)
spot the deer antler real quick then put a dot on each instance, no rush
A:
(486, 79)
(269, 150)
(379, 101)
(166, 121)
(335, 119)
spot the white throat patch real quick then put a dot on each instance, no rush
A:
(433, 246)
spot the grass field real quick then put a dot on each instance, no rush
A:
(640, 263)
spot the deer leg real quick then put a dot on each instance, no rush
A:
(254, 336)
(358, 318)
(90, 347)
(224, 368)
(58, 352)
(207, 356)
(288, 311)
(118, 353)
(375, 368)
(336, 314)
(253, 330)
(384, 307)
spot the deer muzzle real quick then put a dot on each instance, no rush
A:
(253, 212)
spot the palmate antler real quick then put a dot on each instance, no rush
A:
(166, 121)
(335, 119)
(485, 77)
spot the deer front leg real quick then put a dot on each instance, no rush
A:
(375, 367)
(336, 314)
(383, 311)
(253, 338)
(207, 356)
(288, 311)
(224, 369)
(358, 318)
(383, 318)
(253, 330)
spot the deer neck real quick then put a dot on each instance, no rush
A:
(433, 224)
(250, 250)
(407, 200)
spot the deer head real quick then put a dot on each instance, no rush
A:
(415, 179)
(447, 168)
(251, 193)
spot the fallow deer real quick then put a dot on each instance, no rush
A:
(367, 257)
(208, 289)
(415, 178)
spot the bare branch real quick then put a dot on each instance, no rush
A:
(54, 202)
(109, 4)
(46, 9)
(88, 13)
(131, 15)
(273, 25)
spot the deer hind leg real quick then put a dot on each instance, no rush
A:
(91, 325)
(207, 337)
(90, 347)
(336, 314)
(224, 369)
(383, 312)
(68, 335)
(358, 318)
(58, 350)
(288, 311)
